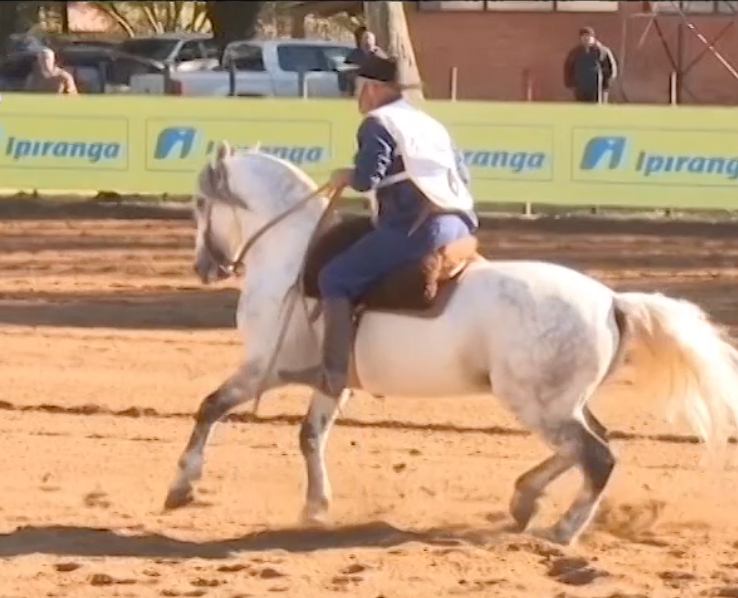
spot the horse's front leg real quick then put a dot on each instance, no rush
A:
(235, 391)
(320, 417)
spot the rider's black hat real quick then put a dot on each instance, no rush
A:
(379, 68)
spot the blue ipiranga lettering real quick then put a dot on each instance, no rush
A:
(90, 151)
(514, 161)
(298, 155)
(650, 163)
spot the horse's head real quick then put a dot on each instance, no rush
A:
(216, 210)
(237, 198)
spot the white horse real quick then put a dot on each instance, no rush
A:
(540, 337)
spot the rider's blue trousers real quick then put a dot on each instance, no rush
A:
(350, 274)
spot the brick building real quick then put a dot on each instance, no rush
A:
(512, 49)
(505, 50)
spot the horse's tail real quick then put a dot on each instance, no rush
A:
(677, 354)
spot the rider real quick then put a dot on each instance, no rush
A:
(417, 182)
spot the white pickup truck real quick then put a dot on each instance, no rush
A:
(263, 68)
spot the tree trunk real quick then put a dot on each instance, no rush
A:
(9, 23)
(64, 14)
(387, 21)
(233, 20)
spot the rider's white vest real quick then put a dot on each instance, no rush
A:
(428, 154)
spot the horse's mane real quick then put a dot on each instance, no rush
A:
(210, 179)
(299, 173)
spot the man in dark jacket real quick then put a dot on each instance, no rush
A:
(590, 68)
(366, 45)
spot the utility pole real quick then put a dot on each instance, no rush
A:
(64, 10)
(387, 21)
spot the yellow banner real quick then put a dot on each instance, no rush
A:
(646, 156)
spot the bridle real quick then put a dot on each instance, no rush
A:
(234, 266)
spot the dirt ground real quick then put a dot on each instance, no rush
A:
(109, 344)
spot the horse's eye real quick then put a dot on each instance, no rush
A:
(200, 203)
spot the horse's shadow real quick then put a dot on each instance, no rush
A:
(95, 542)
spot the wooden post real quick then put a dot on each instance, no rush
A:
(387, 21)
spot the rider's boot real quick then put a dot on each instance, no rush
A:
(331, 377)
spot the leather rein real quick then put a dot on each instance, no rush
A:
(235, 266)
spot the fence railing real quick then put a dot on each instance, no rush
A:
(529, 87)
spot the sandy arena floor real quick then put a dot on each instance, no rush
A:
(109, 343)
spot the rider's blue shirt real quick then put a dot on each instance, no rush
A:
(389, 245)
(399, 204)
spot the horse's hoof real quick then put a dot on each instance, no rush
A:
(314, 521)
(523, 507)
(178, 498)
(553, 535)
(315, 515)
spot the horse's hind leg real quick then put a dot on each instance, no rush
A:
(594, 457)
(232, 393)
(530, 486)
(594, 424)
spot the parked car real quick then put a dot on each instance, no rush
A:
(263, 68)
(86, 43)
(95, 69)
(24, 42)
(174, 48)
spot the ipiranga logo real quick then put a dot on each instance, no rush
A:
(179, 143)
(93, 152)
(617, 153)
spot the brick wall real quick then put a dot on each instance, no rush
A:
(492, 50)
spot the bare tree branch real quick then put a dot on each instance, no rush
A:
(111, 10)
(177, 11)
(149, 12)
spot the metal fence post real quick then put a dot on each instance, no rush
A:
(168, 79)
(454, 83)
(527, 84)
(302, 84)
(232, 78)
(674, 88)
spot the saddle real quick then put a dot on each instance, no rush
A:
(421, 288)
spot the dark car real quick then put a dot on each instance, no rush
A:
(94, 68)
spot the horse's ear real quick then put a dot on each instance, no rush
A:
(207, 182)
(216, 180)
(224, 150)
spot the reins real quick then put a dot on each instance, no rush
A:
(232, 268)
(294, 291)
(293, 294)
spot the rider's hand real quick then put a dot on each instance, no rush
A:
(341, 178)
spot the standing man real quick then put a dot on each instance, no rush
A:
(590, 68)
(408, 165)
(48, 77)
(366, 45)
